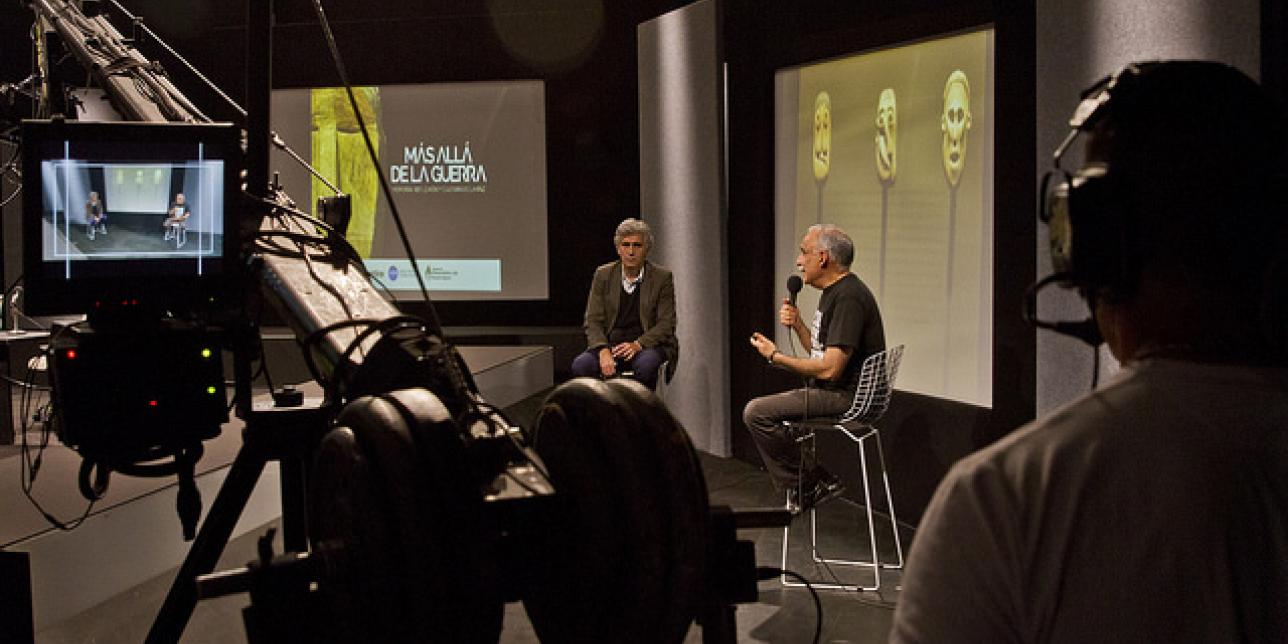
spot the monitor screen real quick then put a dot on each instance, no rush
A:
(466, 163)
(896, 147)
(138, 210)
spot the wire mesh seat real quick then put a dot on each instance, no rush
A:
(871, 400)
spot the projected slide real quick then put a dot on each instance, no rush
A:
(896, 147)
(467, 166)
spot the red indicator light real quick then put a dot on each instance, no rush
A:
(152, 403)
(71, 354)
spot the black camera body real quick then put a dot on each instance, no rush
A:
(126, 397)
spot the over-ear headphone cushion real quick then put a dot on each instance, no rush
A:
(1101, 255)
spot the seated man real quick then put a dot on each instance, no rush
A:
(1155, 508)
(95, 216)
(846, 330)
(176, 222)
(630, 313)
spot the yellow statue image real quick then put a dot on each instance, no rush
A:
(340, 154)
(887, 165)
(822, 136)
(887, 122)
(955, 124)
(822, 147)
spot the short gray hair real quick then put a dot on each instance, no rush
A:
(838, 245)
(632, 226)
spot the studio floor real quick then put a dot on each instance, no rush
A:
(779, 615)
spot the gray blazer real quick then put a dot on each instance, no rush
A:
(657, 309)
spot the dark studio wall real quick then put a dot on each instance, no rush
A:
(585, 50)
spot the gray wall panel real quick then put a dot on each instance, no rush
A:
(1079, 42)
(682, 197)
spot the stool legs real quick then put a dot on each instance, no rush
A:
(874, 561)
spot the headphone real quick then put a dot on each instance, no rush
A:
(1096, 238)
(1093, 234)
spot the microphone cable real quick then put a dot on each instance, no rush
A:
(765, 573)
(1085, 330)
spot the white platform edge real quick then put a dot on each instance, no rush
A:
(122, 547)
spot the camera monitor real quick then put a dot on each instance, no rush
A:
(138, 212)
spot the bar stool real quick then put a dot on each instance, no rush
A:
(871, 399)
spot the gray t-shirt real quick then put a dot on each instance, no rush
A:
(1152, 510)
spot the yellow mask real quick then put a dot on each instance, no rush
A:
(955, 123)
(886, 130)
(822, 135)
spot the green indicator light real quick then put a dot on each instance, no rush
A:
(205, 353)
(211, 390)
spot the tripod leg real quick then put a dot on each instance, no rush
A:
(209, 545)
(294, 501)
(719, 625)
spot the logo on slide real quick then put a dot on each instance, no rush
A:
(442, 168)
(392, 273)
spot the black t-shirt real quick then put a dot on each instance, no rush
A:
(847, 316)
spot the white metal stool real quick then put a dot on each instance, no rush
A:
(871, 399)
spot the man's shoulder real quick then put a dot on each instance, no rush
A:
(661, 272)
(853, 286)
(1130, 411)
(606, 269)
(848, 289)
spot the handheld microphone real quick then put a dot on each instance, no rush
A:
(793, 288)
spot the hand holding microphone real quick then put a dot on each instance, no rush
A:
(788, 315)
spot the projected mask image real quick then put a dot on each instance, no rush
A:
(885, 139)
(904, 119)
(955, 124)
(822, 135)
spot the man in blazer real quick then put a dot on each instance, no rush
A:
(630, 313)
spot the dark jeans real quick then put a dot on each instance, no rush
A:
(644, 365)
(765, 415)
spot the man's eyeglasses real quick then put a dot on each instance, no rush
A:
(631, 244)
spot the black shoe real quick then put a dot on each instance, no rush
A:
(825, 489)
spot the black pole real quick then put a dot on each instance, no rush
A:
(259, 87)
(249, 464)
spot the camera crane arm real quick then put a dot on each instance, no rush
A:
(138, 88)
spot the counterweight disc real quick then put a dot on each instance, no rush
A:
(393, 516)
(624, 559)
